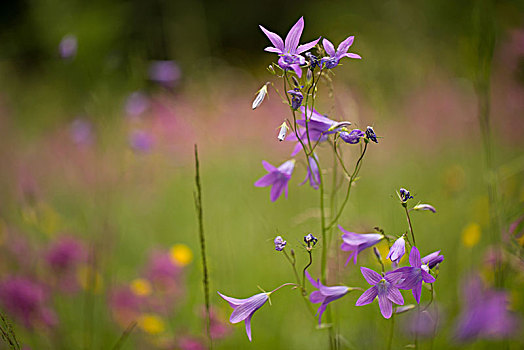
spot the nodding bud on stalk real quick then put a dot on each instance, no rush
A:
(283, 130)
(261, 95)
(377, 254)
(296, 84)
(425, 207)
(271, 69)
(309, 76)
(370, 134)
(339, 125)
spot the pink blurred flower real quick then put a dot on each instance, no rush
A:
(25, 300)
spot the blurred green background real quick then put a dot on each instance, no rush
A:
(96, 146)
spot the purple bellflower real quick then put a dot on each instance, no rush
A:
(352, 137)
(324, 295)
(486, 313)
(278, 178)
(411, 277)
(433, 259)
(243, 309)
(355, 242)
(397, 251)
(290, 50)
(319, 128)
(335, 56)
(313, 175)
(279, 243)
(425, 207)
(384, 288)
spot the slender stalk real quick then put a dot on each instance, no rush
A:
(302, 287)
(391, 332)
(8, 334)
(205, 280)
(409, 223)
(127, 332)
(305, 268)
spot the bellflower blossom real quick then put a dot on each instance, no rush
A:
(324, 295)
(355, 242)
(486, 313)
(290, 50)
(384, 288)
(335, 56)
(278, 178)
(313, 175)
(296, 98)
(398, 249)
(319, 128)
(352, 137)
(411, 277)
(243, 309)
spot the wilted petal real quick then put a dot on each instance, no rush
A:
(293, 37)
(414, 257)
(328, 46)
(275, 39)
(367, 297)
(371, 276)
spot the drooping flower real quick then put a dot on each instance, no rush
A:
(261, 95)
(485, 313)
(425, 207)
(296, 98)
(370, 134)
(279, 243)
(411, 277)
(319, 128)
(352, 137)
(356, 242)
(397, 251)
(283, 131)
(243, 309)
(278, 178)
(290, 50)
(324, 295)
(433, 259)
(384, 288)
(313, 174)
(335, 56)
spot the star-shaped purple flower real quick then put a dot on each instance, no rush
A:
(278, 178)
(324, 294)
(335, 56)
(411, 277)
(290, 50)
(355, 242)
(243, 309)
(384, 288)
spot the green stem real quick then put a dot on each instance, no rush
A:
(205, 280)
(391, 332)
(409, 223)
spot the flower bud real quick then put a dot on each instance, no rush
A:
(261, 95)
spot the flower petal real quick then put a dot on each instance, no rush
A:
(344, 46)
(307, 46)
(248, 307)
(316, 283)
(350, 55)
(414, 257)
(293, 37)
(371, 276)
(334, 291)
(277, 189)
(367, 297)
(296, 68)
(268, 166)
(395, 296)
(275, 39)
(233, 302)
(272, 49)
(328, 46)
(316, 297)
(426, 277)
(248, 326)
(386, 306)
(320, 311)
(267, 180)
(417, 291)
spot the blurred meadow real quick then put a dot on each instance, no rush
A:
(102, 102)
